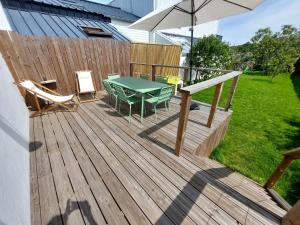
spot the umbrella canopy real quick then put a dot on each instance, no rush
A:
(183, 13)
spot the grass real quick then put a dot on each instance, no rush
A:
(264, 124)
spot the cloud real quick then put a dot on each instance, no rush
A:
(271, 13)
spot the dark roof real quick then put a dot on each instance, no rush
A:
(30, 18)
(93, 7)
(37, 23)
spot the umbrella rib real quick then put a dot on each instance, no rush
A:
(202, 5)
(242, 6)
(163, 18)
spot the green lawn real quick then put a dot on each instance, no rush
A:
(264, 124)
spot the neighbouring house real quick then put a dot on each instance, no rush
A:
(64, 18)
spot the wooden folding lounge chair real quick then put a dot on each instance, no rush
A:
(53, 98)
(85, 84)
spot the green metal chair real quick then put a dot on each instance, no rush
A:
(113, 76)
(144, 76)
(110, 91)
(163, 96)
(161, 79)
(129, 99)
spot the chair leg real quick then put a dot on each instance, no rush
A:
(155, 112)
(166, 106)
(120, 106)
(116, 102)
(129, 113)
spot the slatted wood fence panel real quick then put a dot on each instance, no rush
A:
(39, 58)
(155, 54)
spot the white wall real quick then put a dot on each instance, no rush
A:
(4, 24)
(14, 154)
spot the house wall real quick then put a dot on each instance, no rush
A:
(4, 24)
(137, 7)
(14, 153)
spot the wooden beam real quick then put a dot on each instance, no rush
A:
(278, 172)
(211, 82)
(292, 217)
(131, 68)
(182, 67)
(183, 119)
(231, 93)
(153, 70)
(295, 153)
(214, 105)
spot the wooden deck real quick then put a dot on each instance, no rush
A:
(92, 167)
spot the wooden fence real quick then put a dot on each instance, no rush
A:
(150, 54)
(45, 58)
(40, 58)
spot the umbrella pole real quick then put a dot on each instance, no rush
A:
(192, 39)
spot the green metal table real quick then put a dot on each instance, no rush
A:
(140, 86)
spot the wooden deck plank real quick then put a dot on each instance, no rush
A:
(140, 175)
(109, 207)
(125, 129)
(50, 211)
(34, 186)
(153, 212)
(130, 209)
(66, 197)
(94, 166)
(205, 181)
(195, 212)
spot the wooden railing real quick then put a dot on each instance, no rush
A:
(186, 99)
(187, 92)
(288, 157)
(186, 69)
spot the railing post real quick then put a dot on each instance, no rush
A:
(185, 74)
(153, 72)
(131, 67)
(215, 103)
(292, 217)
(278, 172)
(186, 98)
(231, 93)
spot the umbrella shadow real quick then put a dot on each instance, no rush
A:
(211, 177)
(71, 207)
(147, 134)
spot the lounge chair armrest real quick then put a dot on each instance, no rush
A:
(47, 89)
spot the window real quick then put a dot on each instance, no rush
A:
(96, 32)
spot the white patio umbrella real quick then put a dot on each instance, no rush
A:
(183, 13)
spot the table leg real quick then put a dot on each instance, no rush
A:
(142, 108)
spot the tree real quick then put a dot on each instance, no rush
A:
(276, 52)
(210, 52)
(242, 56)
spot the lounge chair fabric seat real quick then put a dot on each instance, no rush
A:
(32, 88)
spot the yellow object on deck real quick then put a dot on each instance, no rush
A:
(173, 80)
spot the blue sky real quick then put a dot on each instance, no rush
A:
(271, 13)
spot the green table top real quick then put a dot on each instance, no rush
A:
(138, 85)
